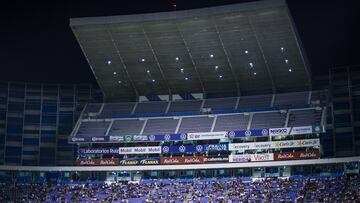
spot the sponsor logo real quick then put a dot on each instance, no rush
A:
(97, 162)
(183, 136)
(128, 138)
(167, 137)
(116, 138)
(78, 139)
(199, 148)
(231, 134)
(152, 137)
(301, 130)
(309, 155)
(296, 155)
(183, 160)
(129, 162)
(165, 149)
(182, 148)
(149, 162)
(126, 162)
(94, 139)
(140, 138)
(217, 159)
(279, 131)
(248, 133)
(264, 132)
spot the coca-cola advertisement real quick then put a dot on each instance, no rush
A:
(296, 155)
(97, 162)
(183, 160)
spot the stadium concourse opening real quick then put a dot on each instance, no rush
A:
(215, 104)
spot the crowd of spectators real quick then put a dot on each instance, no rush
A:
(340, 189)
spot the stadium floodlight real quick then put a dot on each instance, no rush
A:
(254, 73)
(148, 71)
(182, 70)
(142, 60)
(216, 67)
(251, 64)
(186, 78)
(177, 58)
(153, 80)
(246, 51)
(119, 82)
(220, 76)
(282, 49)
(211, 56)
(108, 62)
(114, 73)
(290, 70)
(286, 61)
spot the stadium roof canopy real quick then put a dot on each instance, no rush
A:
(234, 48)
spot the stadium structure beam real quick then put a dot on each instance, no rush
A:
(156, 59)
(228, 60)
(191, 58)
(262, 54)
(122, 62)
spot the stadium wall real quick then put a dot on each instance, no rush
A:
(36, 120)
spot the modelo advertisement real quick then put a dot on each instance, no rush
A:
(97, 162)
(251, 157)
(183, 160)
(296, 155)
(139, 161)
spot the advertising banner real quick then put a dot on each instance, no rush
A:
(89, 139)
(217, 159)
(140, 150)
(194, 148)
(301, 130)
(251, 157)
(207, 135)
(117, 138)
(279, 131)
(97, 162)
(99, 151)
(296, 155)
(275, 144)
(139, 161)
(167, 137)
(183, 160)
(248, 133)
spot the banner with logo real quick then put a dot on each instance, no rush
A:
(183, 160)
(296, 155)
(248, 133)
(139, 161)
(301, 130)
(140, 150)
(98, 151)
(251, 157)
(97, 162)
(88, 139)
(217, 159)
(117, 138)
(167, 137)
(279, 131)
(275, 144)
(207, 135)
(194, 148)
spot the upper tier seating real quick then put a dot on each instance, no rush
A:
(151, 107)
(268, 120)
(217, 105)
(185, 106)
(196, 124)
(113, 109)
(160, 126)
(231, 122)
(92, 128)
(256, 101)
(304, 117)
(126, 127)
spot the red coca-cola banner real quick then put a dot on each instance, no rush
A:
(97, 162)
(296, 155)
(183, 160)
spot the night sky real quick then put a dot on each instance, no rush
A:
(37, 44)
